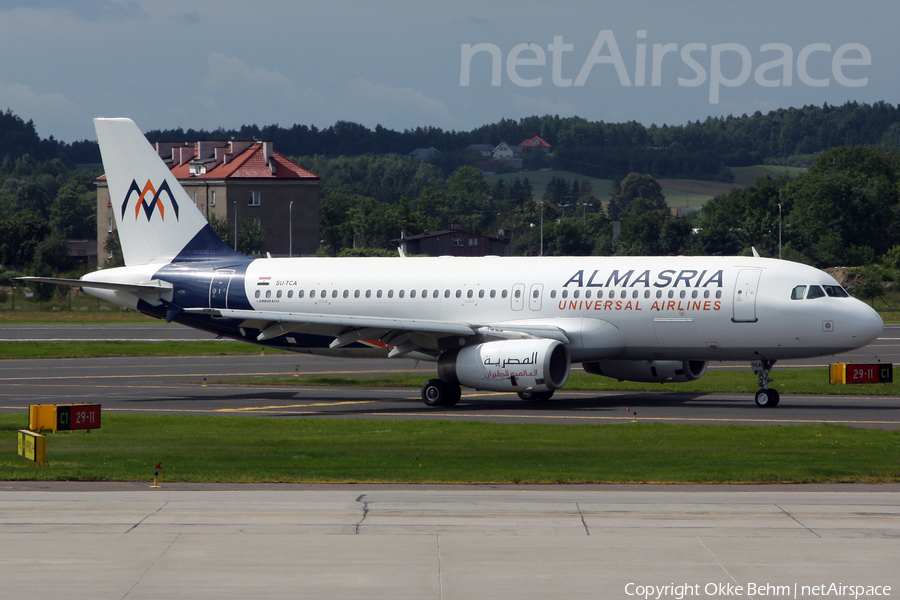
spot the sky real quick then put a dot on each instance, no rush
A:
(454, 65)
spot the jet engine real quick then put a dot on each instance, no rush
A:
(540, 365)
(652, 371)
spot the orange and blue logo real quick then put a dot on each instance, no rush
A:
(155, 204)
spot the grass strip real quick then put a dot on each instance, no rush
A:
(93, 349)
(787, 381)
(238, 449)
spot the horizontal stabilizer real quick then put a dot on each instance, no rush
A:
(136, 288)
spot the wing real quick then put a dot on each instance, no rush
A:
(414, 337)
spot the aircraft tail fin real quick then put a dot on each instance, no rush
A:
(156, 220)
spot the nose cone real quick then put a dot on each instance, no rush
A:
(866, 324)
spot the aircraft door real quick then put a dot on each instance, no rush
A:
(535, 296)
(218, 288)
(517, 301)
(745, 291)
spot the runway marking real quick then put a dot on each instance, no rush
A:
(30, 379)
(277, 407)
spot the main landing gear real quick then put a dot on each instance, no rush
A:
(439, 393)
(766, 397)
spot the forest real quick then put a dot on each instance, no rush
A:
(845, 210)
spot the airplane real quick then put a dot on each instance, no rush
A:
(504, 324)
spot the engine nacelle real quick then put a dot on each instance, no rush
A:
(652, 371)
(508, 366)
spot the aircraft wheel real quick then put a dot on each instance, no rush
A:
(535, 396)
(767, 398)
(438, 393)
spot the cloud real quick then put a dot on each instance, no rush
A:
(88, 10)
(52, 113)
(239, 93)
(392, 107)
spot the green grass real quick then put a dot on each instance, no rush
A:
(787, 381)
(90, 349)
(237, 449)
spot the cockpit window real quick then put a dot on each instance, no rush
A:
(836, 291)
(815, 292)
(797, 292)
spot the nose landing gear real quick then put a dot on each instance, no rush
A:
(766, 397)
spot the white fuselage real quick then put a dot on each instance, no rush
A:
(710, 308)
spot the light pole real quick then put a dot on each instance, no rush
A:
(779, 232)
(584, 206)
(542, 228)
(290, 230)
(235, 225)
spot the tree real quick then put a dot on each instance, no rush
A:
(20, 236)
(113, 248)
(73, 214)
(635, 186)
(641, 228)
(251, 237)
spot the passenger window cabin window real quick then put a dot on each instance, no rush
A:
(659, 293)
(412, 294)
(257, 293)
(459, 293)
(815, 292)
(493, 293)
(646, 293)
(576, 293)
(334, 293)
(278, 294)
(470, 293)
(634, 294)
(368, 293)
(300, 293)
(671, 294)
(356, 294)
(706, 293)
(518, 294)
(390, 293)
(552, 294)
(535, 294)
(599, 293)
(401, 293)
(797, 292)
(435, 294)
(565, 293)
(504, 294)
(290, 293)
(378, 294)
(346, 293)
(481, 293)
(718, 294)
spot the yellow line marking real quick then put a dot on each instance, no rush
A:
(284, 406)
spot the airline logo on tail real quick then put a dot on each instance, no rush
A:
(155, 203)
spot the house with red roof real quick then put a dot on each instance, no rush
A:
(535, 143)
(239, 181)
